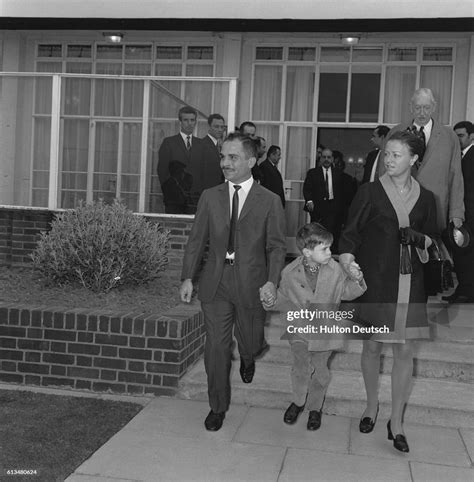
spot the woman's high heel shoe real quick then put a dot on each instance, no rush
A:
(399, 441)
(366, 424)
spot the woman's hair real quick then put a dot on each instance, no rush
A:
(412, 141)
(311, 235)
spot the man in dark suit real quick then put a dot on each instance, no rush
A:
(212, 144)
(187, 149)
(464, 259)
(324, 195)
(244, 226)
(375, 158)
(270, 176)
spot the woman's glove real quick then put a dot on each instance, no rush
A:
(412, 237)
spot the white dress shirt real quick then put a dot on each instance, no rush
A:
(328, 172)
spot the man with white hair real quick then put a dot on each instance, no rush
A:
(440, 169)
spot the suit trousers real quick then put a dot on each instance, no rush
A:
(221, 316)
(310, 375)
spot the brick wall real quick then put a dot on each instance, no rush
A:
(20, 228)
(102, 352)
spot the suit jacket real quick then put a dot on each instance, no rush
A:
(260, 244)
(270, 178)
(314, 189)
(369, 163)
(440, 171)
(212, 163)
(468, 175)
(174, 149)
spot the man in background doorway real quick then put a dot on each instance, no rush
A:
(270, 175)
(374, 159)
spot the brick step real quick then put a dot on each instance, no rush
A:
(432, 359)
(432, 402)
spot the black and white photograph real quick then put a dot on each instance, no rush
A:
(237, 241)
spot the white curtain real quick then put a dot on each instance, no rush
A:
(199, 94)
(399, 87)
(439, 79)
(108, 92)
(299, 93)
(267, 92)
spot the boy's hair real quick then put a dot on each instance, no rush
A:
(312, 234)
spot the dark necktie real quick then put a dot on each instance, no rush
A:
(326, 184)
(422, 136)
(188, 143)
(233, 219)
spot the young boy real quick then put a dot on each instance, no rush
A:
(314, 282)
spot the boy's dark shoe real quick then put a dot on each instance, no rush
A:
(314, 420)
(214, 421)
(291, 414)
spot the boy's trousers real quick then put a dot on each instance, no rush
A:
(310, 375)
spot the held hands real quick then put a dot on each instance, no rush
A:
(310, 206)
(186, 290)
(355, 271)
(268, 294)
(457, 222)
(412, 237)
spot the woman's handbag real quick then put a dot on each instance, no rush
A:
(438, 270)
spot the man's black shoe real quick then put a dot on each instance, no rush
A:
(314, 420)
(214, 421)
(247, 372)
(455, 298)
(291, 414)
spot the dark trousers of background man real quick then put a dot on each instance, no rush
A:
(329, 213)
(220, 316)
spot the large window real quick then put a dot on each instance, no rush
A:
(302, 95)
(102, 119)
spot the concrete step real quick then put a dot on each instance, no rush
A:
(432, 402)
(433, 359)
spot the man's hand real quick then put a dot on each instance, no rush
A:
(310, 206)
(186, 290)
(268, 294)
(457, 222)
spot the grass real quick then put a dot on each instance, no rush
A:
(54, 434)
(26, 287)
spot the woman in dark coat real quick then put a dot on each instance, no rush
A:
(388, 232)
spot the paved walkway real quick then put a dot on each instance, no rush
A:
(167, 441)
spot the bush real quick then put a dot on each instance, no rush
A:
(101, 246)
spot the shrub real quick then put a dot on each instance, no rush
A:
(101, 246)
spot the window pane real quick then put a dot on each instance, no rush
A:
(438, 54)
(269, 53)
(399, 87)
(335, 54)
(105, 161)
(75, 149)
(402, 54)
(168, 52)
(361, 54)
(301, 53)
(332, 97)
(201, 53)
(298, 153)
(109, 52)
(79, 51)
(164, 96)
(41, 145)
(138, 52)
(45, 50)
(131, 148)
(77, 95)
(133, 90)
(439, 79)
(299, 93)
(365, 94)
(199, 94)
(270, 133)
(267, 92)
(108, 92)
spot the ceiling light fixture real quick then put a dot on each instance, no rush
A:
(350, 39)
(113, 37)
